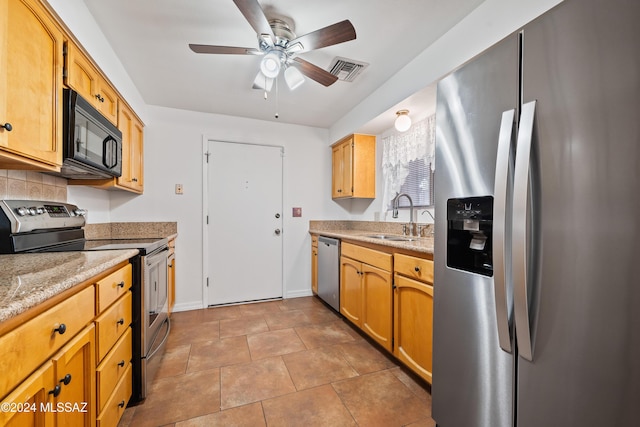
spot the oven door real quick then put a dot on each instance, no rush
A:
(155, 295)
(156, 325)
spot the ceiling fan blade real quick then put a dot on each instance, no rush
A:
(229, 50)
(333, 34)
(255, 15)
(315, 73)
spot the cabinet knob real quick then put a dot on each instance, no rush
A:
(121, 404)
(55, 391)
(66, 380)
(7, 126)
(121, 363)
(61, 329)
(417, 269)
(120, 322)
(277, 231)
(121, 284)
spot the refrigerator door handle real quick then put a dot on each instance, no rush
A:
(522, 253)
(501, 224)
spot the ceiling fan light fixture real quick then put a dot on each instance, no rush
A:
(403, 121)
(271, 64)
(293, 77)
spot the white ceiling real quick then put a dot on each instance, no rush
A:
(151, 36)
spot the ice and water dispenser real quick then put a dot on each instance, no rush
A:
(470, 234)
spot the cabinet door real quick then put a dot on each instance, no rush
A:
(336, 172)
(314, 270)
(36, 400)
(377, 295)
(350, 290)
(413, 325)
(75, 374)
(31, 60)
(85, 79)
(171, 277)
(347, 168)
(132, 147)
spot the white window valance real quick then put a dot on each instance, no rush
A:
(399, 149)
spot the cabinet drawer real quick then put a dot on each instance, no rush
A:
(112, 324)
(113, 287)
(368, 256)
(27, 346)
(414, 267)
(112, 368)
(116, 405)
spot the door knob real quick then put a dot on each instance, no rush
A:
(277, 215)
(277, 231)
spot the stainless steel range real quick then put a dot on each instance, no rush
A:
(38, 226)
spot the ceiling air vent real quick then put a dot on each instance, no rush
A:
(346, 69)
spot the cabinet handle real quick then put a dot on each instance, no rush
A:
(55, 391)
(66, 380)
(99, 98)
(134, 179)
(121, 363)
(417, 269)
(121, 284)
(7, 126)
(61, 329)
(120, 322)
(121, 404)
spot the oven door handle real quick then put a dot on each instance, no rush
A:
(164, 339)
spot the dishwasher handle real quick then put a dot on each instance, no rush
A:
(328, 241)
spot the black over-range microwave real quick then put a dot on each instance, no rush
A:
(92, 145)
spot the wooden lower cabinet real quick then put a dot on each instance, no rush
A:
(34, 394)
(74, 368)
(314, 264)
(389, 296)
(366, 296)
(52, 374)
(413, 314)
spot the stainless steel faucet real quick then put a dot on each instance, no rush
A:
(396, 201)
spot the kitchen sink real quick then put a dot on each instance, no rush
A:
(392, 237)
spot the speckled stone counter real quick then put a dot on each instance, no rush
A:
(359, 230)
(131, 230)
(27, 280)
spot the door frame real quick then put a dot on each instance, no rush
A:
(205, 204)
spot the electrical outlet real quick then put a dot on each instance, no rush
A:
(179, 189)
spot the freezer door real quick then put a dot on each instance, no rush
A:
(582, 66)
(472, 375)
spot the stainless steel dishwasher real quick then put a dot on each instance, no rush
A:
(329, 271)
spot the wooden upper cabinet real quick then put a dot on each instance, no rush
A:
(31, 63)
(354, 167)
(84, 78)
(132, 150)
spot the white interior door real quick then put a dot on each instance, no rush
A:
(245, 222)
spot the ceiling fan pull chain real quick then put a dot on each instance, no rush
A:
(277, 97)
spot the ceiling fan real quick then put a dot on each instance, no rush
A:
(280, 48)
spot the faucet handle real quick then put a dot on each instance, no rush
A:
(404, 229)
(421, 228)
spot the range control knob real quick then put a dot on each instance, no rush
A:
(41, 211)
(33, 211)
(80, 212)
(22, 211)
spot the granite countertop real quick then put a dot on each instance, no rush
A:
(359, 230)
(30, 279)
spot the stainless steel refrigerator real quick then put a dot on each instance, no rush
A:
(537, 240)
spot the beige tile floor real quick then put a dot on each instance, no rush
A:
(283, 363)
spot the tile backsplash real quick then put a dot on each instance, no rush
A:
(29, 185)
